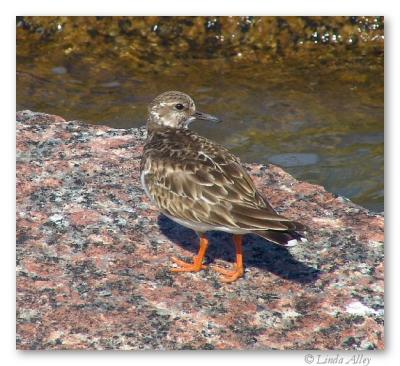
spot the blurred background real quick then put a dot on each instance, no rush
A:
(304, 93)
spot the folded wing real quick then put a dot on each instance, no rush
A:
(209, 185)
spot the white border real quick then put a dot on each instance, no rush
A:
(204, 7)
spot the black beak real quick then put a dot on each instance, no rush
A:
(206, 117)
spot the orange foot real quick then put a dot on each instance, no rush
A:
(196, 266)
(230, 276)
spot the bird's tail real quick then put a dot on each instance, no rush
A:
(284, 238)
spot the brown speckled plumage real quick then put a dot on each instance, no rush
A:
(199, 183)
(191, 178)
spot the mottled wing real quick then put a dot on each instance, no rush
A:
(206, 184)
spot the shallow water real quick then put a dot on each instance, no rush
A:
(322, 123)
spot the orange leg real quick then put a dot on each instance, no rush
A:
(197, 264)
(230, 276)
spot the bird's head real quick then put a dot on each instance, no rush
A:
(176, 110)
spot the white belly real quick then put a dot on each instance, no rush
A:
(201, 227)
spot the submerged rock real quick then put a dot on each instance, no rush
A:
(146, 43)
(93, 258)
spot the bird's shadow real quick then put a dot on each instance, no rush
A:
(258, 252)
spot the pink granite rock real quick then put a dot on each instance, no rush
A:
(93, 258)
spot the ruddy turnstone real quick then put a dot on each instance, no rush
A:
(201, 185)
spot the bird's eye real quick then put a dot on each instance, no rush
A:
(179, 106)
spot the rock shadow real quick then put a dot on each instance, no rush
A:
(258, 252)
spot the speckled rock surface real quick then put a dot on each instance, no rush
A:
(93, 258)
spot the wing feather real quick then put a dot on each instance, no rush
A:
(205, 184)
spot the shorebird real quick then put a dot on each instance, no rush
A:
(202, 186)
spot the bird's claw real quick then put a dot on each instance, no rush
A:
(229, 276)
(187, 267)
